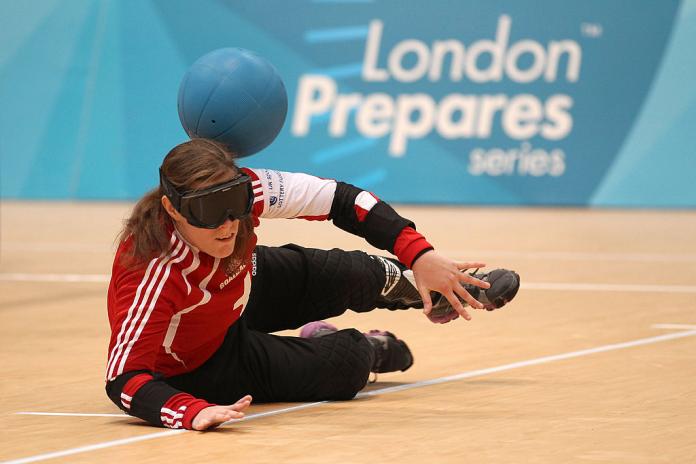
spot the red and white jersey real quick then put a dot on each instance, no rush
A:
(170, 315)
(173, 314)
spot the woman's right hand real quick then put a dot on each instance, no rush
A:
(213, 416)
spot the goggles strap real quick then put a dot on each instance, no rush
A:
(170, 191)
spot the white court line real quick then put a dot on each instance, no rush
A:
(125, 441)
(534, 362)
(463, 375)
(554, 286)
(72, 278)
(674, 326)
(126, 416)
(275, 412)
(70, 414)
(645, 288)
(84, 449)
(573, 255)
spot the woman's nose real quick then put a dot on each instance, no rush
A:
(230, 225)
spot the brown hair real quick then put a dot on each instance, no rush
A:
(192, 165)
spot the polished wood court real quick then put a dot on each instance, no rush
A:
(613, 291)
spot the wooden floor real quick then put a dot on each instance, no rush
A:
(577, 369)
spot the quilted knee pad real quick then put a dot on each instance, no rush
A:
(342, 279)
(348, 357)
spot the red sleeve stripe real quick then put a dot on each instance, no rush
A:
(131, 388)
(152, 282)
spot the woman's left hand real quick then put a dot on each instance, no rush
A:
(434, 272)
(212, 416)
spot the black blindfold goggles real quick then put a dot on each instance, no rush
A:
(211, 207)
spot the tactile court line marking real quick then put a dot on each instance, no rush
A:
(573, 255)
(65, 278)
(674, 326)
(592, 287)
(382, 391)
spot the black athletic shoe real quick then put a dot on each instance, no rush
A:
(400, 289)
(391, 354)
(504, 287)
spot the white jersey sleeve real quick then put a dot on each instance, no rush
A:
(282, 194)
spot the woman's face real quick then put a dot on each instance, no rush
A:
(218, 243)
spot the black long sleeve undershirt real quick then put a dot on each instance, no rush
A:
(381, 226)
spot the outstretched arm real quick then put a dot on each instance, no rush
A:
(293, 195)
(362, 213)
(142, 395)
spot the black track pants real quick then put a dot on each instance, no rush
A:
(292, 286)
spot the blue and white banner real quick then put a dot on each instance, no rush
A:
(472, 102)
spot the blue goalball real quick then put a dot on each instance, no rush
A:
(235, 97)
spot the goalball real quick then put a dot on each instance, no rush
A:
(235, 97)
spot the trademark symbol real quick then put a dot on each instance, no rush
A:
(592, 30)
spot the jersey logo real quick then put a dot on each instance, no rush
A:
(273, 200)
(231, 278)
